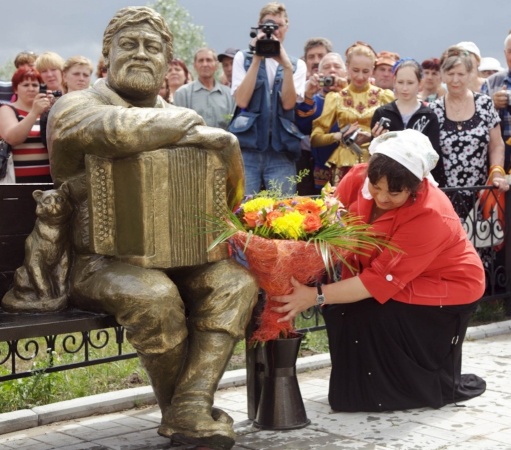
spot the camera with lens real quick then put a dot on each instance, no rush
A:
(384, 122)
(350, 138)
(326, 81)
(43, 90)
(267, 46)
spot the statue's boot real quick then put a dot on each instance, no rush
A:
(192, 418)
(163, 371)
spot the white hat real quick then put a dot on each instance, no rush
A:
(490, 63)
(471, 48)
(410, 148)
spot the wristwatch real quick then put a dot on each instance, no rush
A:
(320, 298)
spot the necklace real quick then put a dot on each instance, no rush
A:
(457, 110)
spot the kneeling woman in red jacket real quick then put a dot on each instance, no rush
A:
(396, 326)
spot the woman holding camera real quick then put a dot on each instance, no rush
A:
(407, 111)
(19, 126)
(352, 107)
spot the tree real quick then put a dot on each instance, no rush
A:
(7, 70)
(188, 37)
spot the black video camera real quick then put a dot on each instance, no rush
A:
(44, 90)
(266, 47)
(326, 81)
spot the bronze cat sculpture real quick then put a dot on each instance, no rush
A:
(41, 283)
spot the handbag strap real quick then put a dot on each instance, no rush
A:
(2, 140)
(18, 115)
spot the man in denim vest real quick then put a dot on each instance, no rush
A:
(266, 85)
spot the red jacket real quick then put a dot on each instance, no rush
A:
(437, 264)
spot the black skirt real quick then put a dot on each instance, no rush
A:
(396, 356)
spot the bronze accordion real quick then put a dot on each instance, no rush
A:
(149, 209)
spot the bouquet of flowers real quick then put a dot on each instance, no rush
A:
(300, 237)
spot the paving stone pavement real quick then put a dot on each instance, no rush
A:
(483, 423)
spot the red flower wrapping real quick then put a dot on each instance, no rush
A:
(273, 262)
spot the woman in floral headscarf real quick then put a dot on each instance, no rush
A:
(396, 321)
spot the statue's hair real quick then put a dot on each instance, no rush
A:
(134, 15)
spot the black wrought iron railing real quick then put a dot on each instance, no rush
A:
(80, 349)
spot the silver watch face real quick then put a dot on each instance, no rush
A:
(320, 299)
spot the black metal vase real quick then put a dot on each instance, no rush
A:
(281, 406)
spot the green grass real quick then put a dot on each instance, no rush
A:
(489, 311)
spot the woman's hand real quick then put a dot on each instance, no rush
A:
(41, 104)
(312, 86)
(303, 297)
(500, 182)
(363, 137)
(378, 130)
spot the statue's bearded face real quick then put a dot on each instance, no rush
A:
(136, 62)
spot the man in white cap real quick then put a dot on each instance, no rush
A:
(489, 66)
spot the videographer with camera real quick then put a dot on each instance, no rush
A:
(331, 77)
(20, 127)
(266, 84)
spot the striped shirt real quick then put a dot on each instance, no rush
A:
(31, 158)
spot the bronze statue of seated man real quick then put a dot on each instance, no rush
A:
(119, 148)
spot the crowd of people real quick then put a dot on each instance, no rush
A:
(387, 131)
(318, 112)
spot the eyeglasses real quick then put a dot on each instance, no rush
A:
(103, 70)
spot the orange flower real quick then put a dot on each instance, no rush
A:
(252, 219)
(308, 207)
(272, 215)
(312, 223)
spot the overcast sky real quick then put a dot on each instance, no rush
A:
(414, 28)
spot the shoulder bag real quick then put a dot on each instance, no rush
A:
(6, 163)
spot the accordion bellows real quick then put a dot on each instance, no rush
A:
(149, 209)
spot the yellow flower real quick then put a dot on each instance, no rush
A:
(290, 225)
(258, 204)
(321, 203)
